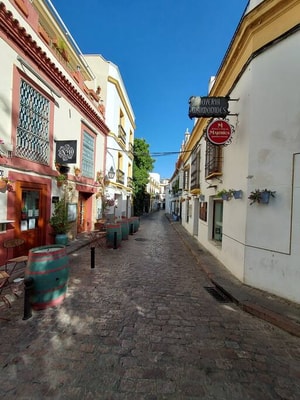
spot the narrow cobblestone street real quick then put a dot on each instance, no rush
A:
(141, 325)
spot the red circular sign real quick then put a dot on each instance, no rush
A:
(219, 132)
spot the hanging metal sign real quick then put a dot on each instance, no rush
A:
(219, 132)
(207, 107)
(66, 151)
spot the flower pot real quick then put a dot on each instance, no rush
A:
(61, 238)
(113, 235)
(264, 197)
(64, 169)
(3, 186)
(237, 194)
(226, 196)
(124, 228)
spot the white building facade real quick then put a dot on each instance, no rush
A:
(258, 243)
(53, 125)
(120, 119)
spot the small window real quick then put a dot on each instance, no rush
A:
(195, 170)
(88, 151)
(186, 179)
(213, 160)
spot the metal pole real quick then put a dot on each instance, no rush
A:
(28, 289)
(115, 240)
(131, 229)
(92, 257)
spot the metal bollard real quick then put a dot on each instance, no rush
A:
(28, 290)
(92, 257)
(131, 229)
(115, 240)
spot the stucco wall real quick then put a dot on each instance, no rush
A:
(271, 260)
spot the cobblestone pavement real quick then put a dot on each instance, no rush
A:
(141, 325)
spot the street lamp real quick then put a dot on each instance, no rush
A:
(111, 173)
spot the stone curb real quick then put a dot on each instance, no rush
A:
(235, 290)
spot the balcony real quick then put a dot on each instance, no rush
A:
(130, 149)
(129, 182)
(122, 136)
(120, 177)
(213, 168)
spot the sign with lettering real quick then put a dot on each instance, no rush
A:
(219, 132)
(66, 151)
(208, 107)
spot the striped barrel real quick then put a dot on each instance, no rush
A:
(48, 266)
(113, 235)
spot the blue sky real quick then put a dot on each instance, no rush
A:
(166, 51)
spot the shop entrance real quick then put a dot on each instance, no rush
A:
(30, 213)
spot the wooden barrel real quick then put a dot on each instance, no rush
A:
(48, 266)
(113, 235)
(124, 228)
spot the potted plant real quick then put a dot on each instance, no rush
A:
(5, 184)
(225, 194)
(261, 196)
(61, 46)
(61, 179)
(59, 221)
(106, 204)
(77, 171)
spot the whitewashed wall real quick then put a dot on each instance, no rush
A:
(260, 243)
(272, 259)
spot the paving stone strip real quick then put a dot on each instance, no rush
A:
(141, 325)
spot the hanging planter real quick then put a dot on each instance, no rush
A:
(77, 171)
(3, 186)
(225, 194)
(61, 180)
(261, 196)
(265, 196)
(64, 169)
(237, 194)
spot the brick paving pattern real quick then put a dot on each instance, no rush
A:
(141, 325)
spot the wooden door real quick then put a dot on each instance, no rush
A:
(30, 213)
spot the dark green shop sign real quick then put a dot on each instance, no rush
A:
(207, 107)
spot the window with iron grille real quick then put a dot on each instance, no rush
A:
(186, 179)
(33, 125)
(88, 150)
(213, 160)
(195, 169)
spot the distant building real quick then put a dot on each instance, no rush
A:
(120, 119)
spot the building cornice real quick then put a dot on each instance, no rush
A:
(29, 47)
(261, 27)
(122, 97)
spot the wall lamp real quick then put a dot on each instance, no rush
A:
(111, 173)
